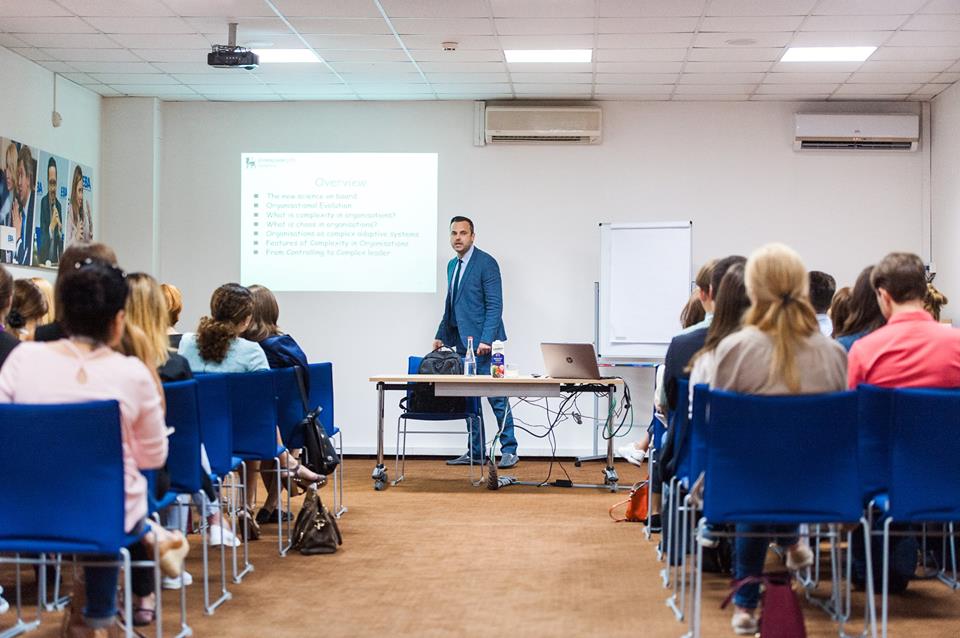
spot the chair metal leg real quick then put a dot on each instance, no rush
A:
(949, 581)
(885, 595)
(401, 452)
(339, 509)
(239, 497)
(21, 626)
(210, 607)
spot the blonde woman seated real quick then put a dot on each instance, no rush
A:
(218, 347)
(779, 351)
(27, 310)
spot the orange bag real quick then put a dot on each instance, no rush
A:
(637, 505)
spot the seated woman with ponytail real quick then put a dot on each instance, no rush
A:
(218, 347)
(779, 351)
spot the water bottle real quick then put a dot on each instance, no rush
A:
(498, 367)
(470, 360)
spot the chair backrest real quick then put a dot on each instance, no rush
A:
(681, 431)
(216, 417)
(253, 400)
(321, 394)
(925, 456)
(874, 424)
(289, 407)
(183, 459)
(39, 441)
(782, 459)
(697, 432)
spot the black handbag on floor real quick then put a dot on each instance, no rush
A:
(319, 454)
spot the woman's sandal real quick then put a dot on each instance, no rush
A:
(252, 529)
(303, 482)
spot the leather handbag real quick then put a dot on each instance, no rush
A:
(320, 456)
(315, 531)
(637, 504)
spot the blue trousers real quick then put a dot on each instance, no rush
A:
(101, 586)
(500, 405)
(749, 554)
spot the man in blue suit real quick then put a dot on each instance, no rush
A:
(474, 308)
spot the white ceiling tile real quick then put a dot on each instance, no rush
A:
(942, 6)
(382, 78)
(933, 23)
(475, 96)
(304, 79)
(760, 7)
(806, 78)
(646, 25)
(151, 90)
(840, 38)
(92, 55)
(886, 89)
(725, 24)
(542, 26)
(229, 8)
(550, 68)
(29, 8)
(867, 7)
(728, 67)
(720, 78)
(247, 29)
(68, 41)
(644, 41)
(203, 79)
(384, 55)
(815, 67)
(138, 8)
(955, 68)
(337, 26)
(354, 41)
(37, 55)
(455, 78)
(80, 78)
(375, 67)
(797, 89)
(171, 55)
(14, 24)
(635, 89)
(460, 55)
(11, 41)
(715, 89)
(472, 88)
(735, 54)
(640, 55)
(577, 89)
(112, 25)
(58, 67)
(788, 97)
(466, 67)
(916, 53)
(571, 41)
(435, 8)
(891, 78)
(161, 41)
(104, 90)
(930, 90)
(314, 89)
(434, 42)
(277, 41)
(232, 89)
(133, 78)
(325, 9)
(778, 39)
(904, 66)
(854, 23)
(924, 39)
(553, 78)
(637, 78)
(200, 66)
(650, 8)
(631, 98)
(947, 78)
(421, 26)
(542, 8)
(639, 67)
(114, 67)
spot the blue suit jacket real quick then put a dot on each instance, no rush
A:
(479, 302)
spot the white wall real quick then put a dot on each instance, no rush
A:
(25, 117)
(729, 167)
(946, 197)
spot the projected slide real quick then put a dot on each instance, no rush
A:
(363, 222)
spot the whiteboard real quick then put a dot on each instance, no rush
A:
(646, 272)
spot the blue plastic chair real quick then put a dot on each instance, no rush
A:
(754, 447)
(321, 395)
(874, 422)
(91, 521)
(924, 475)
(473, 417)
(676, 540)
(253, 398)
(216, 417)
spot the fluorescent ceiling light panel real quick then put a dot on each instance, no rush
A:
(535, 56)
(827, 54)
(270, 56)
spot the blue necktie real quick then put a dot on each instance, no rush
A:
(454, 287)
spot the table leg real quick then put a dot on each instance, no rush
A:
(610, 472)
(379, 475)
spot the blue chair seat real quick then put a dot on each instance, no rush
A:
(256, 457)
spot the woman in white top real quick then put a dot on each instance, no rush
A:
(79, 220)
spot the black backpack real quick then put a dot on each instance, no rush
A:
(422, 398)
(319, 454)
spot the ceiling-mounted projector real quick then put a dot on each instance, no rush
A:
(231, 56)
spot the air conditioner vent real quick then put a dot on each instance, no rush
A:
(856, 132)
(542, 124)
(563, 139)
(855, 146)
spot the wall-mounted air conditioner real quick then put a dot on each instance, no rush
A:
(542, 124)
(856, 131)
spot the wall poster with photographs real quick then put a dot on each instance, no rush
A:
(45, 204)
